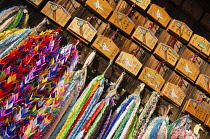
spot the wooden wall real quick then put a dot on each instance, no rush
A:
(183, 10)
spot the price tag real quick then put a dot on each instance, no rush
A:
(187, 69)
(166, 54)
(56, 12)
(152, 78)
(129, 63)
(100, 7)
(145, 37)
(180, 29)
(106, 46)
(173, 93)
(82, 29)
(196, 109)
(159, 14)
(142, 4)
(200, 45)
(203, 82)
(122, 21)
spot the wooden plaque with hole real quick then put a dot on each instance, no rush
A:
(100, 7)
(82, 29)
(207, 121)
(142, 4)
(36, 3)
(159, 14)
(106, 46)
(180, 30)
(173, 93)
(166, 53)
(152, 78)
(129, 63)
(203, 82)
(56, 12)
(145, 37)
(187, 69)
(122, 21)
(200, 45)
(196, 109)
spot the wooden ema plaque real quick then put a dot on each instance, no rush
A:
(35, 2)
(145, 37)
(166, 54)
(207, 121)
(203, 82)
(159, 14)
(82, 29)
(180, 30)
(187, 69)
(106, 46)
(196, 109)
(173, 93)
(142, 4)
(152, 78)
(100, 7)
(122, 21)
(129, 63)
(200, 44)
(56, 12)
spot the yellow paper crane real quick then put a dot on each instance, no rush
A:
(197, 128)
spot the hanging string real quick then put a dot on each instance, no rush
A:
(173, 41)
(180, 82)
(110, 63)
(151, 25)
(135, 52)
(114, 34)
(201, 97)
(159, 66)
(90, 18)
(165, 5)
(194, 58)
(129, 11)
(77, 42)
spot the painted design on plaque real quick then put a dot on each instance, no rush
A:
(202, 44)
(81, 23)
(187, 68)
(54, 7)
(98, 5)
(104, 46)
(151, 76)
(158, 15)
(126, 62)
(120, 17)
(140, 1)
(174, 94)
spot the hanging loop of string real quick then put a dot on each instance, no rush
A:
(77, 42)
(151, 25)
(114, 34)
(135, 52)
(129, 11)
(194, 58)
(201, 97)
(173, 41)
(110, 63)
(180, 82)
(90, 18)
(159, 66)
